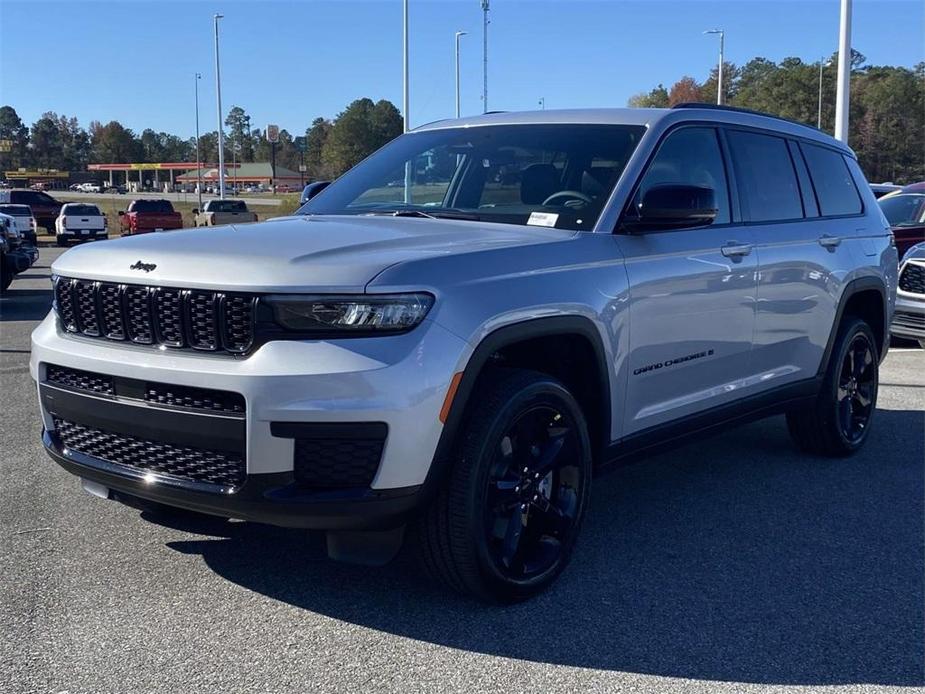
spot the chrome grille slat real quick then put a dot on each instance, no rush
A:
(161, 316)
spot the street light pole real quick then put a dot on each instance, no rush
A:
(844, 73)
(218, 96)
(198, 159)
(458, 34)
(406, 99)
(722, 62)
(484, 56)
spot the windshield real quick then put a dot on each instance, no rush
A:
(545, 175)
(226, 206)
(16, 210)
(80, 209)
(154, 206)
(903, 210)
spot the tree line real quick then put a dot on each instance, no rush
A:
(331, 146)
(887, 112)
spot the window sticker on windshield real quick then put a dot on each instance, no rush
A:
(542, 219)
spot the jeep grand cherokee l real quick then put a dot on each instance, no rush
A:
(538, 296)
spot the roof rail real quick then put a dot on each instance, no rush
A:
(737, 109)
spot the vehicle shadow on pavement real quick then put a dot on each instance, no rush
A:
(730, 559)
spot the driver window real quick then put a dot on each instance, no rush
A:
(690, 156)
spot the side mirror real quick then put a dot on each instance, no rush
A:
(672, 206)
(195, 210)
(121, 212)
(312, 189)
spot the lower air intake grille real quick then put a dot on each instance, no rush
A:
(336, 463)
(201, 399)
(79, 380)
(181, 462)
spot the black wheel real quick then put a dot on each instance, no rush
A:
(504, 523)
(839, 421)
(6, 279)
(60, 241)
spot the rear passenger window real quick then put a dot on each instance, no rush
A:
(766, 178)
(835, 189)
(690, 156)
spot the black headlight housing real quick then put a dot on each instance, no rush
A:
(341, 315)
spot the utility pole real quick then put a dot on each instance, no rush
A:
(823, 63)
(484, 56)
(842, 96)
(458, 34)
(722, 62)
(218, 96)
(406, 99)
(198, 159)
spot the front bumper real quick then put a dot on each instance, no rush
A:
(400, 381)
(84, 234)
(271, 498)
(909, 317)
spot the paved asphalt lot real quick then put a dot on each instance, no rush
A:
(730, 565)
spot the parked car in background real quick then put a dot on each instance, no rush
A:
(119, 189)
(218, 212)
(881, 189)
(44, 208)
(909, 319)
(143, 216)
(906, 214)
(91, 188)
(311, 190)
(14, 257)
(25, 222)
(911, 188)
(80, 221)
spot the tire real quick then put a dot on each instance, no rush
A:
(525, 423)
(60, 241)
(6, 279)
(838, 422)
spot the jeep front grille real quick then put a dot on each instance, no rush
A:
(912, 279)
(175, 318)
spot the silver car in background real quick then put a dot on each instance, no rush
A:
(909, 319)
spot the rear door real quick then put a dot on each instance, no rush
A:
(692, 293)
(805, 228)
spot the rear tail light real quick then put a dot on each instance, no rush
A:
(64, 222)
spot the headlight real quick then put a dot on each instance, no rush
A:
(351, 314)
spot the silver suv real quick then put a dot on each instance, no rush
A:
(458, 333)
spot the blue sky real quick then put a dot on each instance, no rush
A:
(287, 62)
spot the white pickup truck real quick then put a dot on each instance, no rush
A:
(80, 221)
(218, 212)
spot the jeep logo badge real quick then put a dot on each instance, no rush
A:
(147, 267)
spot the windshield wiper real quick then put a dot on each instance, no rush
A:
(436, 214)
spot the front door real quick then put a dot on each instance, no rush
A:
(692, 295)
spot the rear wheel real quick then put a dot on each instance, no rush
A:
(504, 523)
(61, 241)
(838, 423)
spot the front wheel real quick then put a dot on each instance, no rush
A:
(838, 422)
(505, 521)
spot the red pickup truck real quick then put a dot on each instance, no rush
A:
(143, 216)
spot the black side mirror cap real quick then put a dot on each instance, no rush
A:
(312, 189)
(672, 206)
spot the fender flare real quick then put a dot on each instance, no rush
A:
(856, 286)
(491, 343)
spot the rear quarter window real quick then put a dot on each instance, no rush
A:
(835, 190)
(766, 177)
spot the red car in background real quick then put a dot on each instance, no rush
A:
(906, 214)
(143, 216)
(45, 208)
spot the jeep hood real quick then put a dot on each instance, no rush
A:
(319, 253)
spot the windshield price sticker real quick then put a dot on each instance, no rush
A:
(542, 219)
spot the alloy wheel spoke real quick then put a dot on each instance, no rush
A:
(512, 535)
(548, 456)
(863, 396)
(847, 415)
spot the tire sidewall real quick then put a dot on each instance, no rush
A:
(539, 393)
(854, 328)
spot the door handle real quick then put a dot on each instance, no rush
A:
(827, 241)
(734, 249)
